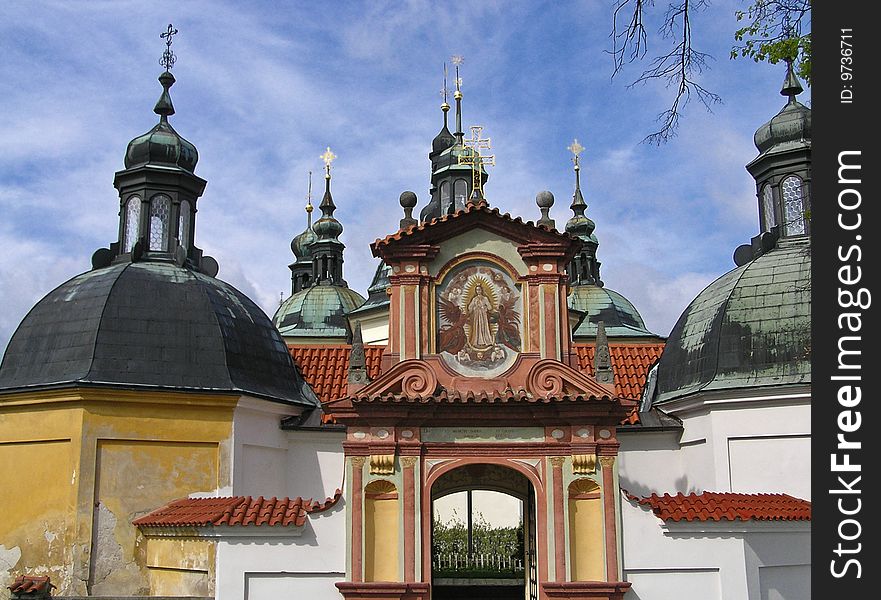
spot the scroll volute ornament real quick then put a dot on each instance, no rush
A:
(549, 378)
(413, 378)
(584, 464)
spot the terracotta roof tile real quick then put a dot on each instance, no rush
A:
(457, 397)
(630, 363)
(326, 368)
(235, 510)
(716, 506)
(31, 584)
(481, 207)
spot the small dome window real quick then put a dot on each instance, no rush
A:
(461, 192)
(132, 223)
(769, 217)
(445, 195)
(183, 230)
(793, 206)
(160, 209)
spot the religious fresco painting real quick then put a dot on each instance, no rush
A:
(479, 309)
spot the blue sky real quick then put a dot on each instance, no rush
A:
(263, 87)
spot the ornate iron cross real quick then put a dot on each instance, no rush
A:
(168, 56)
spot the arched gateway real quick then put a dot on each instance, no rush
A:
(480, 377)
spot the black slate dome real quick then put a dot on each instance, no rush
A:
(152, 325)
(749, 328)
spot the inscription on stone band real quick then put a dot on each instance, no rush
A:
(483, 434)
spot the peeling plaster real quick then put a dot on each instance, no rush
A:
(9, 557)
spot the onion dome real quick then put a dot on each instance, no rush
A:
(749, 328)
(302, 243)
(603, 305)
(151, 325)
(317, 311)
(162, 145)
(791, 127)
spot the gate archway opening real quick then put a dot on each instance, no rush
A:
(483, 534)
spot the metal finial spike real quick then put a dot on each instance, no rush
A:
(791, 85)
(168, 56)
(444, 91)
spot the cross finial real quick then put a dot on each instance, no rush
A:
(476, 160)
(168, 56)
(575, 148)
(328, 157)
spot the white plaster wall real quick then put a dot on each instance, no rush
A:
(315, 463)
(756, 444)
(268, 461)
(724, 560)
(268, 568)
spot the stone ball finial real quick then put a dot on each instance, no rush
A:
(408, 202)
(545, 200)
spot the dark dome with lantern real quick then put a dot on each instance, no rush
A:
(150, 314)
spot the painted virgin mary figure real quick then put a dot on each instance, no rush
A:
(480, 335)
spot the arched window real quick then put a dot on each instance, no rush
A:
(132, 223)
(445, 195)
(183, 229)
(461, 192)
(793, 206)
(769, 216)
(160, 209)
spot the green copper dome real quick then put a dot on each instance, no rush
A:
(749, 328)
(317, 311)
(791, 127)
(620, 317)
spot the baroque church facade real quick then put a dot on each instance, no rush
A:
(190, 445)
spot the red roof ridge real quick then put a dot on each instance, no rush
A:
(730, 506)
(235, 510)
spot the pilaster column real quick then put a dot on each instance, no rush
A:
(609, 500)
(408, 466)
(559, 518)
(357, 517)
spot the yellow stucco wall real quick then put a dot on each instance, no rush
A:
(381, 535)
(586, 538)
(180, 564)
(90, 462)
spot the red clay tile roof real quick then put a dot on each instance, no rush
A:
(236, 510)
(31, 584)
(716, 506)
(457, 397)
(326, 368)
(481, 208)
(630, 363)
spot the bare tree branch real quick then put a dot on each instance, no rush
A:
(678, 69)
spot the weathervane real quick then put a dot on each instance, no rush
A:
(474, 158)
(457, 59)
(444, 91)
(168, 56)
(328, 157)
